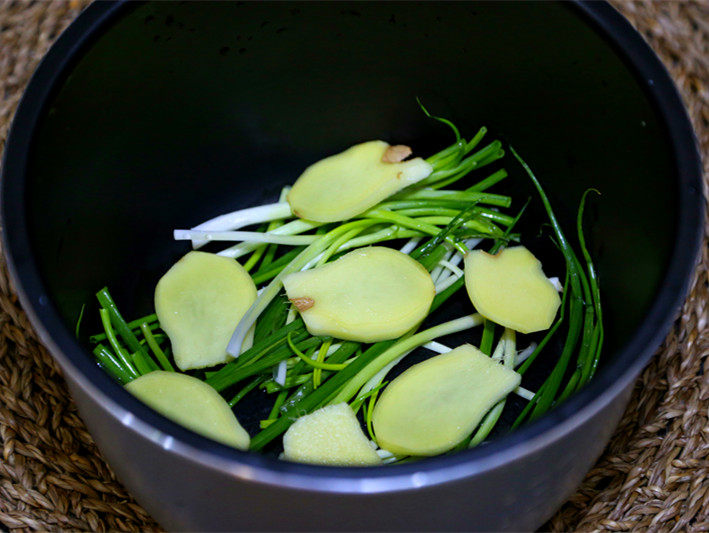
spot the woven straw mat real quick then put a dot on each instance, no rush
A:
(652, 476)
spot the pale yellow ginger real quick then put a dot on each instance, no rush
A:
(344, 185)
(435, 404)
(511, 289)
(199, 302)
(329, 436)
(368, 295)
(191, 403)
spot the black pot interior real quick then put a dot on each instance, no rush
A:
(179, 112)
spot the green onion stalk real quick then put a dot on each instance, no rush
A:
(584, 335)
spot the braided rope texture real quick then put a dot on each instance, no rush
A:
(653, 475)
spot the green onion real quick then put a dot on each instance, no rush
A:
(273, 415)
(151, 320)
(232, 372)
(117, 370)
(247, 389)
(307, 403)
(440, 119)
(405, 344)
(317, 373)
(370, 411)
(357, 402)
(490, 420)
(590, 368)
(123, 355)
(456, 196)
(581, 317)
(488, 337)
(413, 223)
(272, 319)
(488, 182)
(78, 321)
(142, 363)
(152, 343)
(309, 361)
(123, 329)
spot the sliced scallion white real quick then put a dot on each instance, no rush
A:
(294, 227)
(437, 347)
(445, 283)
(499, 351)
(452, 267)
(280, 373)
(410, 245)
(524, 354)
(245, 236)
(242, 218)
(524, 393)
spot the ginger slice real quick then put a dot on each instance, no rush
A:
(344, 185)
(199, 303)
(191, 403)
(329, 436)
(435, 404)
(511, 289)
(368, 295)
